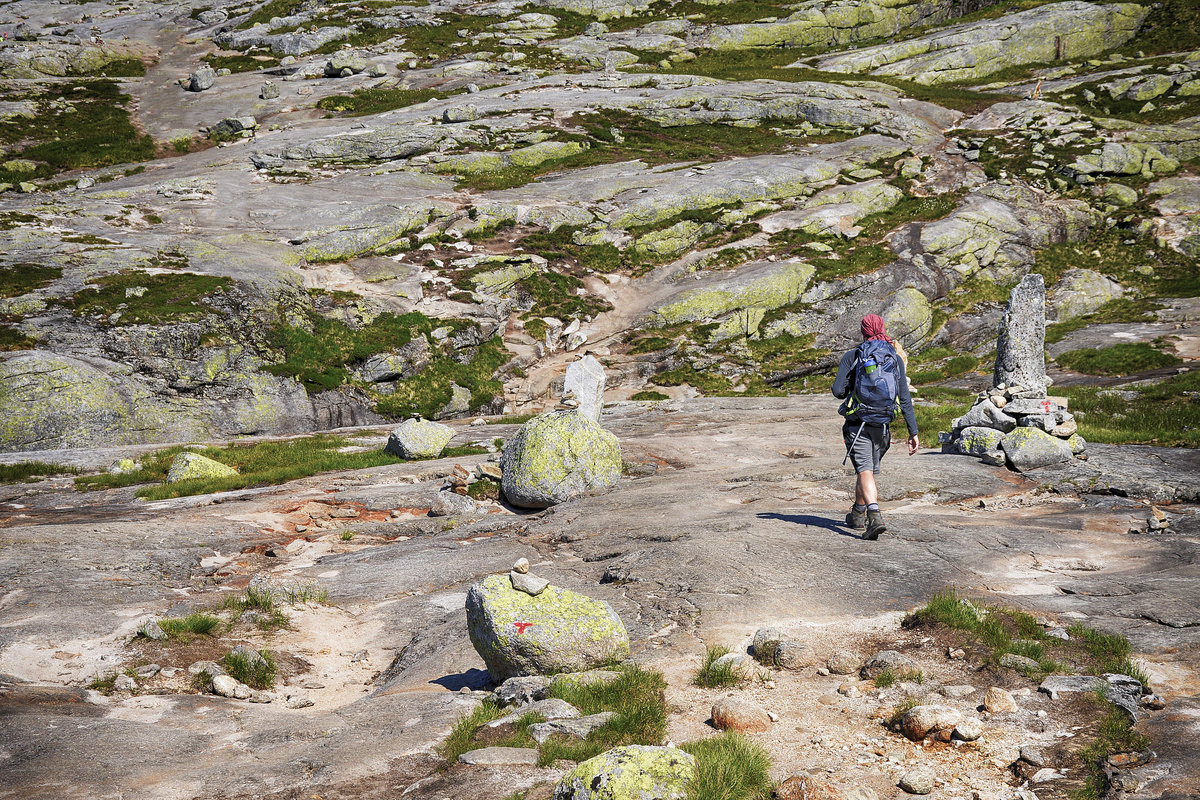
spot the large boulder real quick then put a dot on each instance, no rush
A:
(419, 438)
(557, 456)
(193, 466)
(1030, 448)
(1021, 346)
(555, 631)
(635, 772)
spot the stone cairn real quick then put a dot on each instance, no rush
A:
(1016, 422)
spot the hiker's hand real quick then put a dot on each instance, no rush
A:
(913, 444)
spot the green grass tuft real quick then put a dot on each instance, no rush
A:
(712, 675)
(1115, 734)
(636, 697)
(729, 767)
(363, 102)
(255, 673)
(184, 629)
(463, 733)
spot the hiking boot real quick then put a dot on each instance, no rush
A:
(856, 519)
(875, 525)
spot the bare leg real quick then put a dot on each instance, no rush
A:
(865, 491)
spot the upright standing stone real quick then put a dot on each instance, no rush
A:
(1021, 347)
(585, 382)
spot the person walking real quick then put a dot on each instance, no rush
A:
(872, 381)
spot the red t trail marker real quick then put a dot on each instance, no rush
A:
(1046, 405)
(521, 626)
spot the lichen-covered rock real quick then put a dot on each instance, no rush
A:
(557, 456)
(193, 466)
(1030, 448)
(556, 631)
(977, 441)
(634, 772)
(974, 50)
(1079, 292)
(766, 286)
(419, 438)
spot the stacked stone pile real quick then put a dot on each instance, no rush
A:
(1015, 422)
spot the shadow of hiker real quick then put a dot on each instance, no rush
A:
(838, 527)
(472, 678)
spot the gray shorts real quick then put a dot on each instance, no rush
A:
(868, 451)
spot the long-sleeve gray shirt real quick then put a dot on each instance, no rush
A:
(844, 383)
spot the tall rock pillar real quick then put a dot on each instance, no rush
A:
(1021, 346)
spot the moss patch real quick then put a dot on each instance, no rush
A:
(142, 298)
(19, 279)
(76, 124)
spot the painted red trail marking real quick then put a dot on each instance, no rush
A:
(1046, 405)
(521, 626)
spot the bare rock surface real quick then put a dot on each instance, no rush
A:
(1128, 582)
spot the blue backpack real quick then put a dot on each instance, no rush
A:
(876, 384)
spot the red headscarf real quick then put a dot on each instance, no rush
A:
(872, 328)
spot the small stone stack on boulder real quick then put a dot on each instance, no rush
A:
(563, 453)
(1016, 422)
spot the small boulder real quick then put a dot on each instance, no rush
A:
(557, 456)
(232, 126)
(737, 714)
(452, 504)
(193, 466)
(1030, 448)
(201, 80)
(628, 773)
(419, 438)
(522, 690)
(463, 113)
(528, 583)
(124, 683)
(579, 728)
(977, 441)
(886, 660)
(999, 701)
(844, 662)
(269, 91)
(918, 781)
(1019, 663)
(345, 64)
(920, 722)
(556, 631)
(150, 629)
(968, 730)
(224, 686)
(984, 414)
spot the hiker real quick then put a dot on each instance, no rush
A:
(870, 380)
